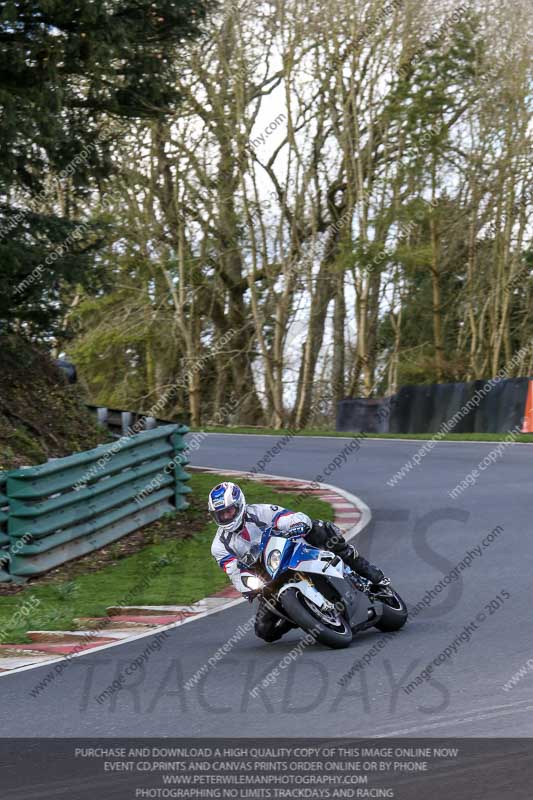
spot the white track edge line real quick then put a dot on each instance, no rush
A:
(365, 438)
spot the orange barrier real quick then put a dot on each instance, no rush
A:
(527, 426)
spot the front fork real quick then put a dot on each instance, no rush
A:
(364, 619)
(271, 601)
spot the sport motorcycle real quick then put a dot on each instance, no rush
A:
(316, 591)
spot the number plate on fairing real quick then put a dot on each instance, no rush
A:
(311, 559)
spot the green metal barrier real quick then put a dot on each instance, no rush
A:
(74, 505)
(4, 538)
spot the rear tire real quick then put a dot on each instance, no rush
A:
(300, 611)
(394, 614)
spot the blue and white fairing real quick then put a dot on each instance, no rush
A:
(281, 553)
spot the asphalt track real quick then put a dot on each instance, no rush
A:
(418, 535)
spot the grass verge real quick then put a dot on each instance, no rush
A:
(166, 571)
(449, 437)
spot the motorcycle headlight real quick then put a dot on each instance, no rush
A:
(274, 560)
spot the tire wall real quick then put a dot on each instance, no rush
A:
(426, 408)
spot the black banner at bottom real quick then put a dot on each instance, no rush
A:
(277, 769)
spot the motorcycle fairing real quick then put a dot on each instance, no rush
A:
(305, 558)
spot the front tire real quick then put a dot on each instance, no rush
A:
(336, 634)
(394, 613)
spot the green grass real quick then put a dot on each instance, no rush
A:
(179, 572)
(450, 437)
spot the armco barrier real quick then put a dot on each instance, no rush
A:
(4, 538)
(120, 422)
(74, 505)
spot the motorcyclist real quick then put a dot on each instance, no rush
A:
(241, 526)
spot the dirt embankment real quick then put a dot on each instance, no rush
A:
(41, 415)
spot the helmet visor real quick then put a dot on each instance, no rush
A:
(225, 516)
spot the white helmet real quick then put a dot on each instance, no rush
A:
(227, 506)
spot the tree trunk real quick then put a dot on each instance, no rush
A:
(436, 291)
(339, 322)
(317, 320)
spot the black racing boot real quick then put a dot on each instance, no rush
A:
(351, 557)
(329, 536)
(269, 626)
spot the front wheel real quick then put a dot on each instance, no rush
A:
(394, 614)
(329, 628)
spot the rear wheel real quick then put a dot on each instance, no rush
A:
(328, 627)
(394, 612)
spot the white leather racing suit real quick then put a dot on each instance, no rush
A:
(228, 548)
